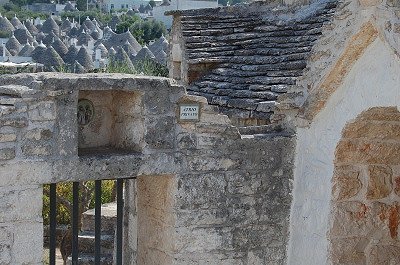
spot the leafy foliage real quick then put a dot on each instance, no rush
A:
(143, 30)
(64, 199)
(10, 9)
(93, 13)
(145, 67)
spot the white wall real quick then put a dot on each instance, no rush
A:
(158, 12)
(373, 81)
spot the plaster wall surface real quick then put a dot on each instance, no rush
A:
(373, 81)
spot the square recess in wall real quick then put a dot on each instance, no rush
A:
(109, 122)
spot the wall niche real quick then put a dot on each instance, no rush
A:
(109, 122)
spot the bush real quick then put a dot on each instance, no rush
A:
(64, 199)
(145, 67)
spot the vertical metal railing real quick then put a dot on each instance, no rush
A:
(75, 222)
(76, 225)
(97, 223)
(53, 223)
(120, 205)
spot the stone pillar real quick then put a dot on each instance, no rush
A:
(21, 226)
(130, 223)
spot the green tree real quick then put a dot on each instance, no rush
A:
(81, 5)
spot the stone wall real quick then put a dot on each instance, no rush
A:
(366, 189)
(216, 196)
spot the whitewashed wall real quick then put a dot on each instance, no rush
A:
(373, 81)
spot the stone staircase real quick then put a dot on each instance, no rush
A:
(86, 236)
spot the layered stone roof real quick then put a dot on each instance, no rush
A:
(252, 53)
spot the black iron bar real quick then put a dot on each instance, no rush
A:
(75, 222)
(97, 223)
(53, 223)
(120, 205)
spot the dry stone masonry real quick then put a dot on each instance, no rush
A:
(318, 185)
(220, 197)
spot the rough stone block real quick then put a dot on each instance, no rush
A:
(39, 134)
(36, 150)
(346, 182)
(379, 183)
(6, 240)
(373, 130)
(20, 122)
(7, 153)
(8, 137)
(20, 203)
(28, 243)
(364, 151)
(384, 254)
(43, 111)
(349, 250)
(160, 133)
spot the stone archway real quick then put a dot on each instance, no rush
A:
(366, 190)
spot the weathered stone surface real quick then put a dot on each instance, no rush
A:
(381, 130)
(9, 137)
(39, 134)
(349, 250)
(36, 150)
(397, 185)
(379, 183)
(364, 151)
(7, 153)
(226, 201)
(385, 254)
(346, 182)
(356, 47)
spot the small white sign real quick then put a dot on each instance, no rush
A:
(189, 112)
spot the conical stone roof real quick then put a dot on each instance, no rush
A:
(77, 68)
(66, 25)
(95, 34)
(73, 32)
(5, 25)
(85, 59)
(103, 50)
(129, 49)
(83, 39)
(39, 26)
(50, 25)
(49, 38)
(70, 56)
(31, 28)
(52, 58)
(38, 54)
(40, 36)
(23, 35)
(121, 57)
(59, 46)
(13, 45)
(26, 51)
(69, 7)
(129, 37)
(89, 24)
(111, 52)
(7, 53)
(144, 54)
(159, 45)
(16, 22)
(161, 57)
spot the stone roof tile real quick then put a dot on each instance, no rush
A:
(258, 52)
